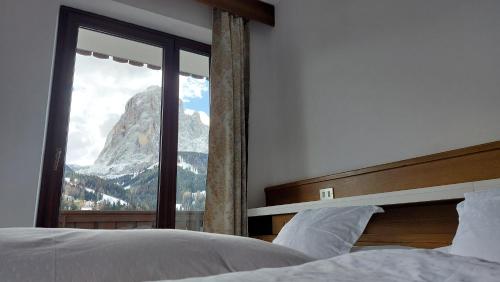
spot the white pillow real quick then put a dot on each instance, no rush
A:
(479, 226)
(327, 232)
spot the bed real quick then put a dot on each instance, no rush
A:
(420, 213)
(382, 265)
(412, 218)
(420, 198)
(38, 254)
(473, 256)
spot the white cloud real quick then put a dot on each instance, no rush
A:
(191, 88)
(101, 88)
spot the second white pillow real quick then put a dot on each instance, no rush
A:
(326, 232)
(479, 226)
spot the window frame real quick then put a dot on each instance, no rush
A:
(70, 20)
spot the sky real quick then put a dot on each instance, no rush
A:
(101, 88)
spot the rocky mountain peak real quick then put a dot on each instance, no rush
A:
(133, 143)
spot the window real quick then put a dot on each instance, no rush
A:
(127, 136)
(194, 122)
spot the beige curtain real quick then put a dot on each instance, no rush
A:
(226, 202)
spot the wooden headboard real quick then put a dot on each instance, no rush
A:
(424, 225)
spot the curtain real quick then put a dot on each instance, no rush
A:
(226, 202)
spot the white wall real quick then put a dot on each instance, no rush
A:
(27, 30)
(27, 40)
(340, 85)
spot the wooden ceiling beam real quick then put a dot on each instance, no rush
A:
(248, 9)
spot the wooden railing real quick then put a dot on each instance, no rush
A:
(191, 220)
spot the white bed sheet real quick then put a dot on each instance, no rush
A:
(33, 254)
(382, 265)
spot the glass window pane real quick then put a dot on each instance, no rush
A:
(194, 122)
(112, 151)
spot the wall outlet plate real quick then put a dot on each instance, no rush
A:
(326, 193)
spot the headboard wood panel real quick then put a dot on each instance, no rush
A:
(420, 225)
(428, 225)
(423, 225)
(463, 165)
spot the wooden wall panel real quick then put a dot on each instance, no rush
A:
(107, 219)
(106, 225)
(279, 221)
(85, 225)
(463, 165)
(410, 240)
(427, 225)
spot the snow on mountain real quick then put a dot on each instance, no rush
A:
(193, 131)
(187, 166)
(107, 198)
(205, 119)
(112, 200)
(133, 143)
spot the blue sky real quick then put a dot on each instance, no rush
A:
(195, 93)
(200, 104)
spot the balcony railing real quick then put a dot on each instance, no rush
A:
(190, 220)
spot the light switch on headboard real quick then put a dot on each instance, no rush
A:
(326, 194)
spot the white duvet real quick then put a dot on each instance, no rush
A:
(31, 254)
(374, 266)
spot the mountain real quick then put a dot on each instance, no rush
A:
(132, 145)
(125, 174)
(193, 133)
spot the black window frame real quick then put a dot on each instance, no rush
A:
(70, 20)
